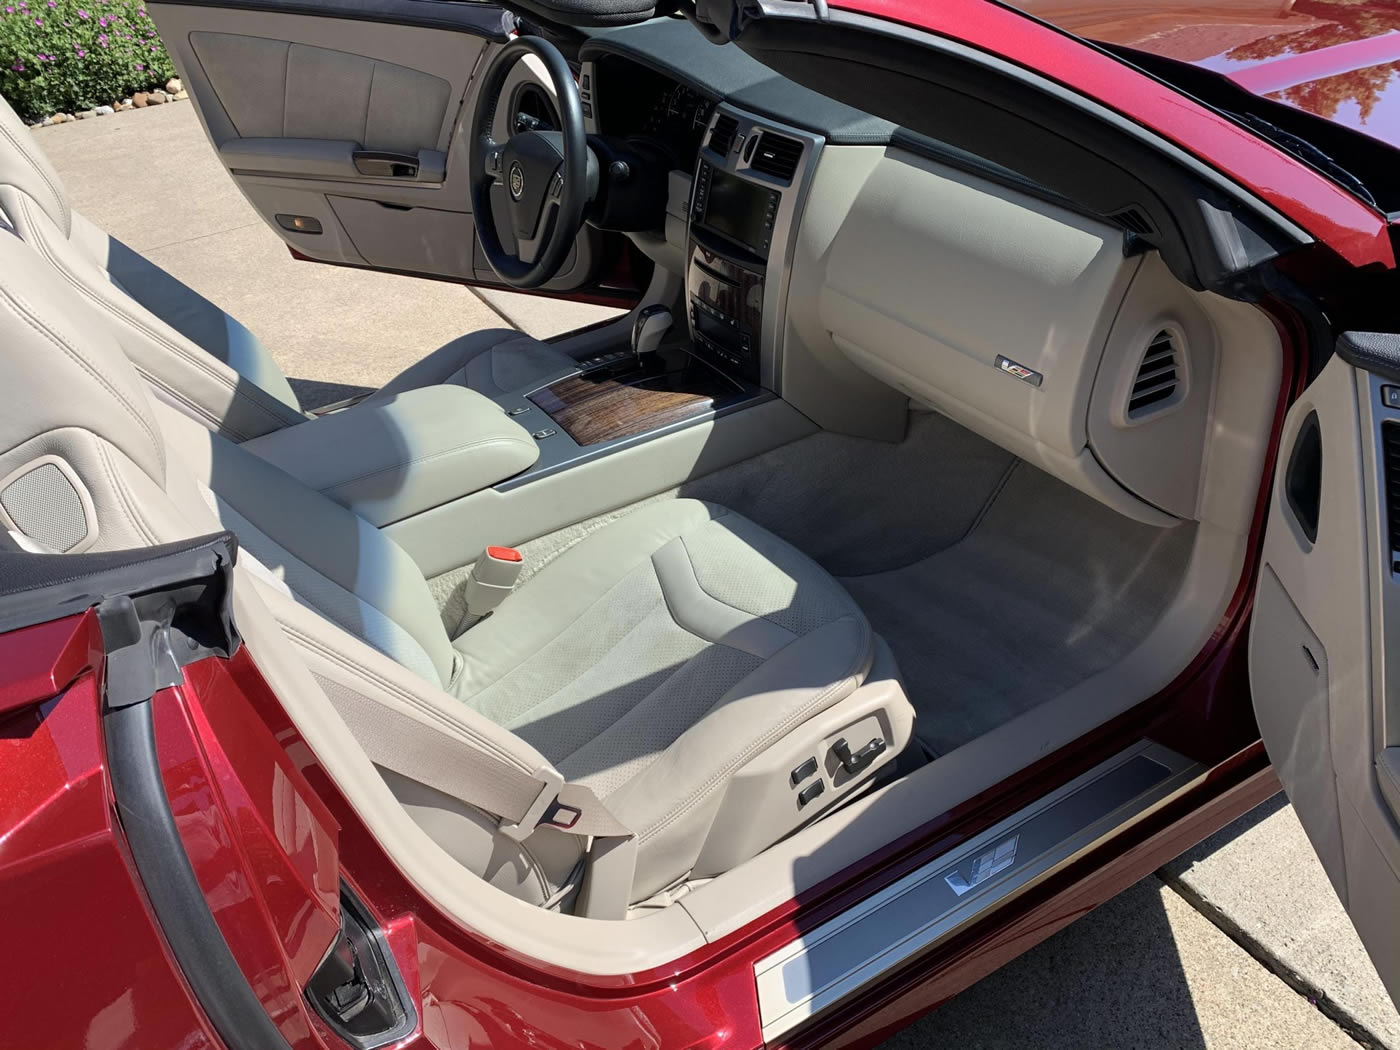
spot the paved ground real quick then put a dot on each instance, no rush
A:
(1240, 943)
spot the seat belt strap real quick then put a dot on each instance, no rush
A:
(467, 771)
(522, 802)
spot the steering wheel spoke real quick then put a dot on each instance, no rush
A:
(538, 182)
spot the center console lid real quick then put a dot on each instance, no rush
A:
(392, 459)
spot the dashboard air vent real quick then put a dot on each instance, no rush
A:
(1390, 448)
(722, 134)
(777, 155)
(1135, 221)
(1158, 377)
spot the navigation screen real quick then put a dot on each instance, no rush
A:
(736, 208)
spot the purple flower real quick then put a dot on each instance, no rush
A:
(9, 10)
(38, 21)
(139, 67)
(82, 14)
(81, 52)
(18, 67)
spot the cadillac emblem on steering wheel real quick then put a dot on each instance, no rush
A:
(517, 181)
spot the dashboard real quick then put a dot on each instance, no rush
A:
(637, 102)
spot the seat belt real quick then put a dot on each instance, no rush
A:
(522, 802)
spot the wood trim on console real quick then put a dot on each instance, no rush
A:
(596, 408)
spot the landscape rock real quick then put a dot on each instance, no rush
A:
(60, 118)
(173, 86)
(46, 122)
(104, 111)
(83, 114)
(156, 98)
(140, 100)
(180, 96)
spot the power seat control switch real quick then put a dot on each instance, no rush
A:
(805, 770)
(810, 792)
(854, 762)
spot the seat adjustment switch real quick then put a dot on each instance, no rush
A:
(805, 770)
(810, 792)
(854, 762)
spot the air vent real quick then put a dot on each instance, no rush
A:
(722, 134)
(1135, 221)
(1390, 448)
(777, 155)
(1158, 377)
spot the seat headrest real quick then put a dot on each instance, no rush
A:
(24, 168)
(61, 367)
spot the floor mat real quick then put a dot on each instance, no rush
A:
(997, 586)
(1048, 588)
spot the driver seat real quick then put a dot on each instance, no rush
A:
(195, 356)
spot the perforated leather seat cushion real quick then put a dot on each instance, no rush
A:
(657, 655)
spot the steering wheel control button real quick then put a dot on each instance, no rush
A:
(810, 792)
(540, 435)
(805, 770)
(556, 185)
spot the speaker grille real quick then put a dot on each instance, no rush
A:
(46, 507)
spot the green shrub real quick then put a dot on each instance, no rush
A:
(62, 55)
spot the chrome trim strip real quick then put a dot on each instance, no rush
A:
(888, 928)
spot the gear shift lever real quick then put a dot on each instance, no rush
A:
(650, 327)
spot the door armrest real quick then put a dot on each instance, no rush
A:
(326, 158)
(393, 458)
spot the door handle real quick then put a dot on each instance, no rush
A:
(386, 164)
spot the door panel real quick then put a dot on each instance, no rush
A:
(344, 127)
(1326, 617)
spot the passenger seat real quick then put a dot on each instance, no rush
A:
(676, 692)
(195, 355)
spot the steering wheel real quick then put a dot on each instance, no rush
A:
(548, 177)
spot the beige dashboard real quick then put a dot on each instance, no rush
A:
(1022, 320)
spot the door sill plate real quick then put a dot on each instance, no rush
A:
(883, 931)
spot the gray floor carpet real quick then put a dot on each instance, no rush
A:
(997, 586)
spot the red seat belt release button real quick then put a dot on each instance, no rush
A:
(492, 579)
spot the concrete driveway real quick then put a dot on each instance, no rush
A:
(1240, 943)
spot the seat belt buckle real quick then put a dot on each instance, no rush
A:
(544, 810)
(491, 581)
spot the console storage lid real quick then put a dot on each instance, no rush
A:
(391, 459)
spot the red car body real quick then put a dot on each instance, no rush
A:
(269, 836)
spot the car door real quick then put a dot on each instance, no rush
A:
(1324, 653)
(343, 123)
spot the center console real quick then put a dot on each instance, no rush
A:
(745, 201)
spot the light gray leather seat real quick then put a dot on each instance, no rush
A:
(193, 353)
(679, 662)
